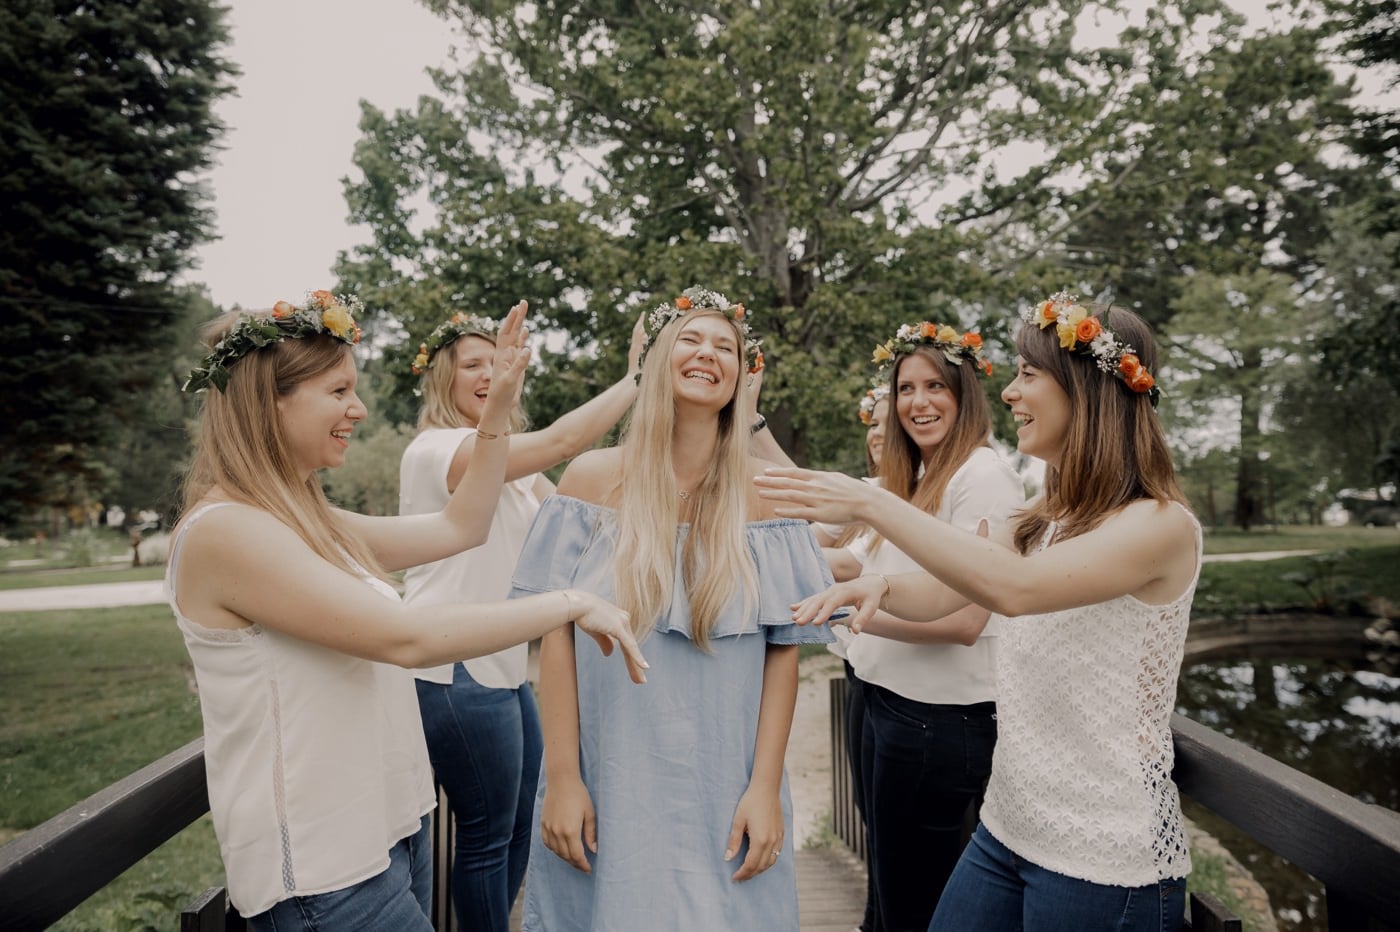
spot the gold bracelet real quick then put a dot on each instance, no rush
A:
(487, 435)
(886, 580)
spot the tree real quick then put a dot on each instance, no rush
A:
(1238, 336)
(105, 120)
(791, 154)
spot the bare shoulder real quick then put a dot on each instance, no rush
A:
(1168, 522)
(228, 531)
(592, 476)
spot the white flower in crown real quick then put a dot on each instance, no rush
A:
(696, 298)
(1079, 331)
(873, 397)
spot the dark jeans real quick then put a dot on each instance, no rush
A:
(992, 888)
(397, 899)
(485, 746)
(926, 767)
(855, 740)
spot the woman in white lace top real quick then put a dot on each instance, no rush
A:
(1082, 826)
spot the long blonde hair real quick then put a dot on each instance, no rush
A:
(1115, 452)
(715, 557)
(901, 458)
(438, 411)
(241, 448)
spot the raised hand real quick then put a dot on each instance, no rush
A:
(607, 624)
(508, 366)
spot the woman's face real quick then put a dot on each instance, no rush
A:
(705, 362)
(875, 431)
(1042, 412)
(924, 403)
(471, 378)
(318, 416)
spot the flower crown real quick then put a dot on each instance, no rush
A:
(447, 333)
(698, 298)
(955, 346)
(1083, 333)
(323, 313)
(873, 397)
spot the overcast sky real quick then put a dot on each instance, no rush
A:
(292, 127)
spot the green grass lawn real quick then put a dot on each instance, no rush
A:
(45, 578)
(1348, 582)
(86, 698)
(1229, 540)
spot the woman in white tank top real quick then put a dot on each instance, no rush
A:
(318, 776)
(1082, 826)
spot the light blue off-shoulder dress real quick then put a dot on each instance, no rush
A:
(666, 762)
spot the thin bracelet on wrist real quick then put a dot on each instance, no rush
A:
(886, 580)
(568, 605)
(488, 435)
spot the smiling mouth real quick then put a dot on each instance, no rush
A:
(700, 375)
(1023, 419)
(924, 420)
(343, 435)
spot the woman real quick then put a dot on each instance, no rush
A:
(1082, 827)
(672, 812)
(319, 783)
(929, 689)
(479, 716)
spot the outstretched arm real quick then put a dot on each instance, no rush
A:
(241, 566)
(408, 540)
(1146, 549)
(569, 435)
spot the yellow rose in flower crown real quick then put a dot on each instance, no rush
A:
(947, 334)
(336, 318)
(881, 354)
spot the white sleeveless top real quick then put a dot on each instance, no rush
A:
(984, 488)
(1081, 777)
(315, 759)
(481, 574)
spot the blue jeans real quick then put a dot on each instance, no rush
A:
(485, 746)
(926, 767)
(398, 898)
(992, 888)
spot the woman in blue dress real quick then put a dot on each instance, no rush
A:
(669, 809)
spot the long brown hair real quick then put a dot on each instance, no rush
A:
(901, 459)
(1115, 452)
(241, 448)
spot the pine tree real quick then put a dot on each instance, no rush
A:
(105, 125)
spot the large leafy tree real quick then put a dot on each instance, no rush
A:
(595, 155)
(105, 123)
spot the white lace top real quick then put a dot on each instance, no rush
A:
(315, 759)
(1081, 778)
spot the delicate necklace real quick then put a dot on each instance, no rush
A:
(685, 496)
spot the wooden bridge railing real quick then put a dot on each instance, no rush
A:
(1351, 847)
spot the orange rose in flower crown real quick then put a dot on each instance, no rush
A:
(1083, 333)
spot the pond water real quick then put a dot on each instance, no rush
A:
(1335, 719)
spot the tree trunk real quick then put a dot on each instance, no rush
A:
(1249, 504)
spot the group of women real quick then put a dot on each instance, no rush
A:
(650, 793)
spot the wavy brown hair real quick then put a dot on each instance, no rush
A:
(1115, 452)
(241, 448)
(901, 458)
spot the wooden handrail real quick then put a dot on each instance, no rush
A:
(50, 869)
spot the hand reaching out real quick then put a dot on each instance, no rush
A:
(508, 365)
(607, 624)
